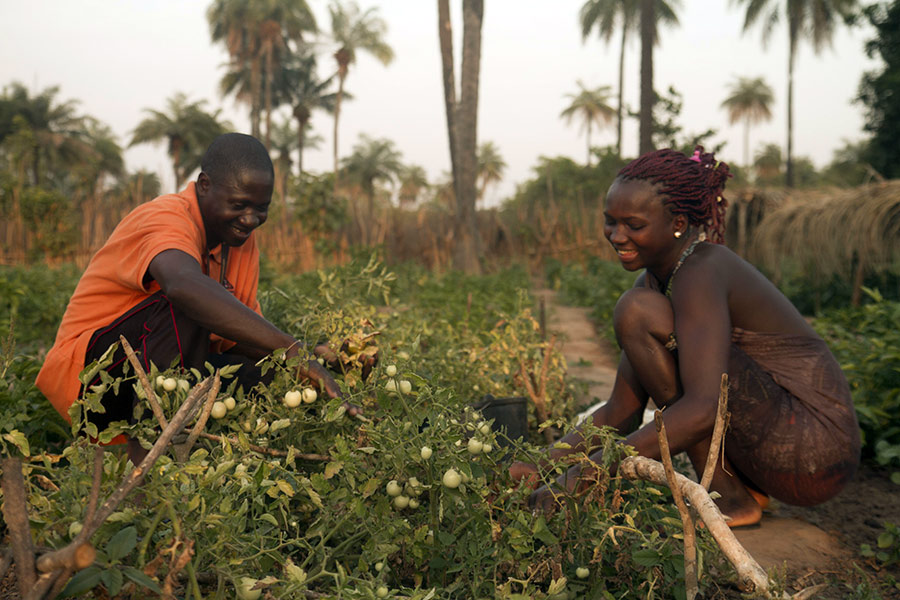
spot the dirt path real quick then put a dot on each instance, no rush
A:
(808, 547)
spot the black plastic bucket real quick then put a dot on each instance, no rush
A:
(510, 415)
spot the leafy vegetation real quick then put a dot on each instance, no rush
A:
(313, 507)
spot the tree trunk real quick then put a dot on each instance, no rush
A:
(648, 16)
(589, 142)
(466, 225)
(301, 140)
(445, 34)
(621, 88)
(255, 94)
(269, 98)
(342, 75)
(789, 169)
(747, 144)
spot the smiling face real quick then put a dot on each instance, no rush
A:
(641, 229)
(233, 207)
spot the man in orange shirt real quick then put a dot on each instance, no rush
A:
(178, 278)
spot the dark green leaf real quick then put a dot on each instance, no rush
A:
(82, 581)
(122, 543)
(646, 557)
(139, 578)
(112, 579)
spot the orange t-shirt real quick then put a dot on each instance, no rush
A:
(114, 282)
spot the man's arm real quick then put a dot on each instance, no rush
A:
(210, 305)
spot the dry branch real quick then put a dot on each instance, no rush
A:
(718, 431)
(66, 557)
(142, 376)
(184, 451)
(752, 577)
(260, 449)
(687, 521)
(15, 513)
(96, 479)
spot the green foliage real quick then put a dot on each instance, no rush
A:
(52, 219)
(297, 525)
(314, 206)
(887, 546)
(878, 89)
(866, 342)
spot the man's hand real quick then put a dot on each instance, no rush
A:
(319, 375)
(367, 362)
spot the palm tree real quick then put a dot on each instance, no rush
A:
(412, 181)
(749, 100)
(462, 126)
(186, 127)
(491, 166)
(590, 106)
(50, 132)
(257, 34)
(608, 16)
(304, 92)
(813, 19)
(372, 161)
(354, 31)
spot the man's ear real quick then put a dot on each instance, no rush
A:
(203, 183)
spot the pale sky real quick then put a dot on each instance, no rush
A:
(118, 57)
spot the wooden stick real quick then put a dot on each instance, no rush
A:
(15, 513)
(752, 577)
(717, 435)
(65, 557)
(184, 451)
(260, 449)
(687, 522)
(145, 383)
(96, 479)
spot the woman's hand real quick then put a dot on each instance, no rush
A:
(527, 472)
(575, 480)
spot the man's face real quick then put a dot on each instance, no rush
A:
(233, 207)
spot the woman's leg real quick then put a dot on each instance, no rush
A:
(644, 322)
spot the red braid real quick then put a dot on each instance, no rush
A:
(689, 186)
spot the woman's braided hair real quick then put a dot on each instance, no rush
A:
(691, 186)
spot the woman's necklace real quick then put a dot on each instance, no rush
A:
(687, 252)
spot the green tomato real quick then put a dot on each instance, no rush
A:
(390, 370)
(293, 398)
(169, 384)
(230, 403)
(582, 572)
(309, 395)
(451, 478)
(160, 380)
(484, 428)
(390, 385)
(413, 503)
(393, 488)
(425, 452)
(219, 410)
(183, 385)
(381, 592)
(379, 566)
(244, 589)
(486, 448)
(401, 502)
(474, 446)
(405, 386)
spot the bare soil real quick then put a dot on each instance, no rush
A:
(814, 552)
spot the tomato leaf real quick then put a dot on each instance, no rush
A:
(121, 544)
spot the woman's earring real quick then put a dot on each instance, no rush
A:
(678, 234)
